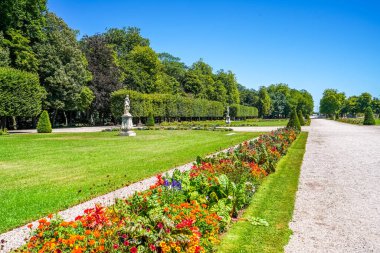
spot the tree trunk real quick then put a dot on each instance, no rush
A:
(14, 122)
(64, 115)
(3, 121)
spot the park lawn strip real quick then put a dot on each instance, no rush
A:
(273, 202)
(377, 121)
(45, 173)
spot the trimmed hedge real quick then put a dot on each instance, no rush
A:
(20, 93)
(173, 106)
(300, 118)
(294, 121)
(369, 119)
(44, 125)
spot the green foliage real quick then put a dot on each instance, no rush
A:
(264, 102)
(242, 111)
(21, 53)
(4, 131)
(332, 102)
(368, 117)
(44, 125)
(364, 101)
(102, 62)
(300, 118)
(294, 121)
(20, 93)
(172, 106)
(150, 120)
(63, 67)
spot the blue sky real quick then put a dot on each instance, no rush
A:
(309, 44)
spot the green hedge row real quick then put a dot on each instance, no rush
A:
(20, 93)
(173, 106)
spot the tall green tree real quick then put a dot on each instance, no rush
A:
(364, 101)
(125, 40)
(264, 103)
(331, 102)
(173, 67)
(102, 63)
(229, 81)
(22, 23)
(62, 68)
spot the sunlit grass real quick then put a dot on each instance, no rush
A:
(45, 173)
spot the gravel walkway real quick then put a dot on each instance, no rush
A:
(338, 200)
(17, 237)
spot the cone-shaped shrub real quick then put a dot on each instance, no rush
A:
(293, 121)
(300, 118)
(150, 120)
(44, 125)
(368, 117)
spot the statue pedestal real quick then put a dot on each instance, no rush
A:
(228, 120)
(126, 125)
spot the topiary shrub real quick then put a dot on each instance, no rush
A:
(300, 118)
(369, 119)
(44, 125)
(293, 121)
(150, 120)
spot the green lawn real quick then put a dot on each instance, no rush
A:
(222, 123)
(44, 173)
(273, 202)
(377, 121)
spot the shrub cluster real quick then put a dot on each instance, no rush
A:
(356, 121)
(184, 212)
(173, 106)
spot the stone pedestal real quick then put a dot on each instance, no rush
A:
(127, 125)
(228, 120)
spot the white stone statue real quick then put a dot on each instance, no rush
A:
(126, 124)
(127, 106)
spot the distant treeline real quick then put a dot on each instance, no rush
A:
(78, 77)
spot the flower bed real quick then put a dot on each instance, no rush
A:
(185, 212)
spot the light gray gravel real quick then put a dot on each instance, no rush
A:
(17, 237)
(338, 200)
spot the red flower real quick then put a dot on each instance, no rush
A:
(115, 246)
(152, 247)
(160, 225)
(30, 226)
(126, 243)
(133, 250)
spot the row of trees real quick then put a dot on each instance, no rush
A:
(78, 77)
(277, 100)
(336, 104)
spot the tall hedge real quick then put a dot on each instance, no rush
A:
(293, 121)
(369, 119)
(20, 93)
(44, 125)
(173, 106)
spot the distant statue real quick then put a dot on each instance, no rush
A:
(127, 106)
(228, 119)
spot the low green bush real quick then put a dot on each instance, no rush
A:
(294, 121)
(150, 120)
(4, 131)
(369, 119)
(44, 125)
(355, 121)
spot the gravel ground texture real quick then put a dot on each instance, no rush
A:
(19, 236)
(338, 201)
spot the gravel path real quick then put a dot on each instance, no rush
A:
(338, 200)
(18, 236)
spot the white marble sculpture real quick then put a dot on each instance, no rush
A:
(126, 119)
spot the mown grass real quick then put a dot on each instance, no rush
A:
(45, 173)
(377, 121)
(222, 123)
(274, 202)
